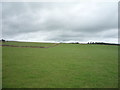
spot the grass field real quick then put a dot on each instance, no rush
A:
(0, 67)
(62, 66)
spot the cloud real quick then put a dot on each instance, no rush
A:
(46, 21)
(1, 20)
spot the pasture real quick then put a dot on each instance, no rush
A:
(61, 66)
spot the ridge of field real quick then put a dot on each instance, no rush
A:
(27, 43)
(64, 66)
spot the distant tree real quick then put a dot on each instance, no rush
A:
(3, 40)
(77, 43)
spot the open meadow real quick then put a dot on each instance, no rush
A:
(61, 66)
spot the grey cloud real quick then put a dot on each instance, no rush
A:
(63, 21)
(0, 20)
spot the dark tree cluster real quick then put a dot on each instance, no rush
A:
(102, 43)
(75, 43)
(2, 40)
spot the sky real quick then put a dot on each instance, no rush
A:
(60, 21)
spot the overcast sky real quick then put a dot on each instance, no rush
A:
(60, 21)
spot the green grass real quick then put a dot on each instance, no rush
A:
(0, 67)
(62, 66)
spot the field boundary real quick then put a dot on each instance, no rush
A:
(5, 45)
